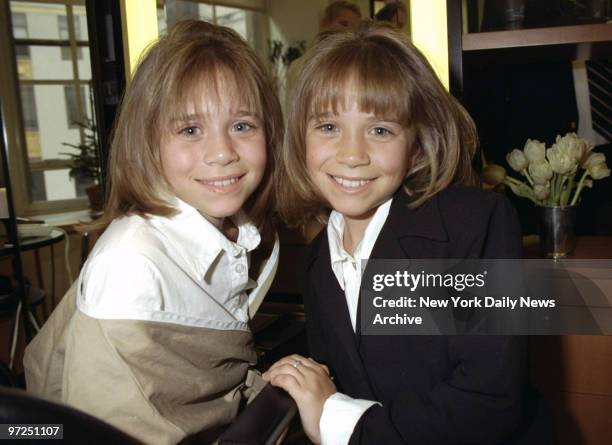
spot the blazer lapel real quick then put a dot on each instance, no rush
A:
(403, 234)
(424, 222)
(332, 305)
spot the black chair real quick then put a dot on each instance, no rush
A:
(19, 407)
(260, 423)
(263, 421)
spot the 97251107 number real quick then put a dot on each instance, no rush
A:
(31, 430)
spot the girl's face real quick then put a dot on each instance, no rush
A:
(357, 160)
(215, 158)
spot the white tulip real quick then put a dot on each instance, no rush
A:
(517, 160)
(540, 171)
(573, 146)
(561, 160)
(535, 150)
(599, 171)
(593, 159)
(541, 191)
(595, 164)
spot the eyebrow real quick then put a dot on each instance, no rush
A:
(198, 116)
(327, 115)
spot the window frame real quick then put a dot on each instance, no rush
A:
(21, 166)
(260, 37)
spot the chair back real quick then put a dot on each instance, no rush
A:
(19, 407)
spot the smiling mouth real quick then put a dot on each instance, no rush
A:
(351, 183)
(221, 184)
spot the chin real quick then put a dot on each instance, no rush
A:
(353, 212)
(218, 212)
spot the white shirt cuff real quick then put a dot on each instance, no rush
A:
(340, 415)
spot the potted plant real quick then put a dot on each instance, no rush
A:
(553, 180)
(86, 163)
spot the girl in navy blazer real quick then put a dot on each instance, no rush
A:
(378, 150)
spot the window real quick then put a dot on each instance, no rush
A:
(52, 64)
(62, 25)
(28, 107)
(73, 113)
(248, 21)
(20, 25)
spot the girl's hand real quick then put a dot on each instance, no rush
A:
(309, 384)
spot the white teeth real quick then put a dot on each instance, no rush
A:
(223, 183)
(351, 183)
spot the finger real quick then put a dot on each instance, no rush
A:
(274, 368)
(296, 361)
(315, 377)
(288, 383)
(289, 359)
(285, 369)
(308, 363)
(319, 368)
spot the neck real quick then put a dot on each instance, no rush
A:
(217, 222)
(354, 230)
(229, 229)
(225, 225)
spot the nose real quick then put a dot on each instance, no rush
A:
(352, 151)
(219, 149)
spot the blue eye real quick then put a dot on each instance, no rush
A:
(242, 126)
(382, 131)
(190, 131)
(327, 128)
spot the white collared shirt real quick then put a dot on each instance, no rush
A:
(347, 267)
(341, 412)
(178, 269)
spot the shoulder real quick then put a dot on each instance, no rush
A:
(484, 222)
(470, 209)
(460, 222)
(123, 270)
(471, 203)
(129, 235)
(317, 246)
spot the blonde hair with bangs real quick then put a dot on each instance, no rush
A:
(392, 80)
(194, 58)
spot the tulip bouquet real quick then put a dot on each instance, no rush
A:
(553, 176)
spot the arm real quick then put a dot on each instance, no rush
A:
(328, 417)
(158, 381)
(481, 401)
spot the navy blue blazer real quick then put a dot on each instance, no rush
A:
(433, 389)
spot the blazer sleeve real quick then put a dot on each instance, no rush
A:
(481, 400)
(479, 403)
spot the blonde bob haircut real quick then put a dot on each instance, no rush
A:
(194, 59)
(387, 76)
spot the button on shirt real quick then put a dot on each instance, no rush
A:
(178, 269)
(341, 412)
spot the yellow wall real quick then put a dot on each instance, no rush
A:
(139, 24)
(429, 33)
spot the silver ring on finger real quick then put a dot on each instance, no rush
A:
(296, 364)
